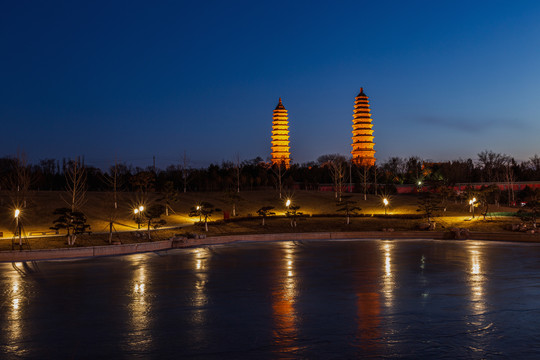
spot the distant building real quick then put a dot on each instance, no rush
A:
(362, 151)
(280, 136)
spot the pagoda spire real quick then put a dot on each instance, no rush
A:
(280, 136)
(362, 151)
(280, 105)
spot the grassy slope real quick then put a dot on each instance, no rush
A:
(38, 215)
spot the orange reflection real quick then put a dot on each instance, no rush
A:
(283, 302)
(369, 318)
(368, 303)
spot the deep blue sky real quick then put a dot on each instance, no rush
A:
(133, 79)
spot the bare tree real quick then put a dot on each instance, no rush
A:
(375, 179)
(185, 172)
(75, 174)
(279, 170)
(19, 181)
(238, 167)
(414, 168)
(394, 170)
(232, 198)
(143, 182)
(112, 180)
(337, 165)
(490, 162)
(168, 196)
(364, 173)
(535, 163)
(509, 176)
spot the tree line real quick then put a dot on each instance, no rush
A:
(256, 174)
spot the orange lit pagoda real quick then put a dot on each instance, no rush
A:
(280, 136)
(362, 146)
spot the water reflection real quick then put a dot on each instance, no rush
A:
(388, 281)
(284, 295)
(476, 280)
(200, 260)
(481, 328)
(368, 305)
(13, 330)
(199, 296)
(139, 308)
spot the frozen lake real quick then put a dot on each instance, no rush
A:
(313, 299)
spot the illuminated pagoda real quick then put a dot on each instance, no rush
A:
(362, 146)
(280, 136)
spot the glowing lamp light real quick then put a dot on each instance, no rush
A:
(141, 208)
(198, 207)
(135, 211)
(288, 203)
(385, 202)
(17, 212)
(419, 183)
(471, 205)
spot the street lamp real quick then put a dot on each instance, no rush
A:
(137, 215)
(288, 203)
(18, 224)
(471, 206)
(385, 202)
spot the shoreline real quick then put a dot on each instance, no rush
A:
(182, 242)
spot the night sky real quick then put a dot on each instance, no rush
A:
(133, 79)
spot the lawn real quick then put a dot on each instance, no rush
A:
(38, 216)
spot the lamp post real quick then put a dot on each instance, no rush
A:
(18, 225)
(137, 216)
(385, 202)
(288, 203)
(141, 209)
(471, 204)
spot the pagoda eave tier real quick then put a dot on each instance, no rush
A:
(283, 151)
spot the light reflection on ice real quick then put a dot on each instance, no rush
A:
(388, 282)
(284, 295)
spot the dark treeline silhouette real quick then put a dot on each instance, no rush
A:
(255, 174)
